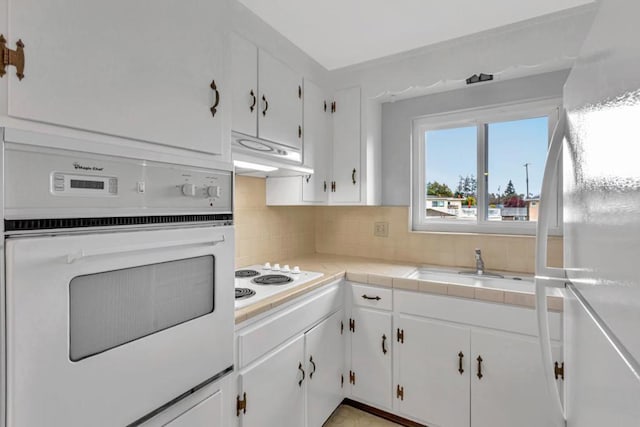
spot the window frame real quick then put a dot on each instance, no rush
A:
(480, 118)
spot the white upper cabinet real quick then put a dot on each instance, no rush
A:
(280, 102)
(347, 172)
(317, 143)
(151, 70)
(267, 95)
(244, 83)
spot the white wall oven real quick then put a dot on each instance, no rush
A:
(119, 286)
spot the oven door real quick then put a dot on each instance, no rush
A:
(104, 328)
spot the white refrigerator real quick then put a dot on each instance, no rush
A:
(599, 143)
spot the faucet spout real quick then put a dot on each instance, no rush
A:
(479, 262)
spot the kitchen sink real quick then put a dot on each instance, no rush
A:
(518, 283)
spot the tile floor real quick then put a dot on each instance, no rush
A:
(347, 416)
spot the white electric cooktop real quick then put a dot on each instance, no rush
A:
(258, 282)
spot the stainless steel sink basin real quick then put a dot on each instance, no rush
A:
(483, 274)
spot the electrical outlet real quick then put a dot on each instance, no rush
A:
(381, 229)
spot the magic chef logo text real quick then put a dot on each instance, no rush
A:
(77, 166)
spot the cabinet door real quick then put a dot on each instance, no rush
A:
(369, 362)
(433, 362)
(325, 366)
(280, 115)
(347, 163)
(244, 83)
(317, 143)
(138, 69)
(275, 388)
(512, 390)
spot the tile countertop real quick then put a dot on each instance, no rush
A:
(386, 274)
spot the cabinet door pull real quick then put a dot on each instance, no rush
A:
(384, 344)
(266, 105)
(460, 357)
(353, 176)
(214, 107)
(254, 99)
(325, 186)
(479, 359)
(303, 374)
(365, 296)
(299, 131)
(314, 367)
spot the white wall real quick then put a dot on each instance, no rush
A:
(397, 117)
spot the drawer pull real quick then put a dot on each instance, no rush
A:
(365, 296)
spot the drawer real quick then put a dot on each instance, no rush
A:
(372, 297)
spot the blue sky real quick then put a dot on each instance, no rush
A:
(452, 152)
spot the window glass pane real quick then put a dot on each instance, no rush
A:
(450, 186)
(516, 153)
(112, 308)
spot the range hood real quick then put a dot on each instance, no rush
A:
(259, 157)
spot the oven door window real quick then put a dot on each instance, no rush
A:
(112, 308)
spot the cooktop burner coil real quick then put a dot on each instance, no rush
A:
(246, 273)
(272, 279)
(242, 293)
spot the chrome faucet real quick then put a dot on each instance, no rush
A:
(479, 262)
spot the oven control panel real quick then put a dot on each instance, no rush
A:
(69, 184)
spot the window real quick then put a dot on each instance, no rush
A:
(481, 170)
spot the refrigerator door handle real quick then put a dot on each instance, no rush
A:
(546, 276)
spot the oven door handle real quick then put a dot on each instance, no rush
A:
(82, 254)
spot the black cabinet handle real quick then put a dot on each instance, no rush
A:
(214, 107)
(266, 105)
(303, 375)
(299, 131)
(255, 100)
(365, 296)
(325, 186)
(460, 357)
(384, 344)
(314, 367)
(479, 359)
(353, 176)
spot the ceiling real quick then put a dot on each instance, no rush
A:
(339, 33)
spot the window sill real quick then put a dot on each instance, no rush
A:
(502, 229)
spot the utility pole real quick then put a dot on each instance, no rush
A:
(526, 167)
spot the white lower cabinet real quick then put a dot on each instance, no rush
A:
(273, 388)
(487, 373)
(511, 390)
(325, 367)
(371, 348)
(433, 371)
(296, 379)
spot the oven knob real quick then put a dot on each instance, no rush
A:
(295, 270)
(189, 190)
(214, 191)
